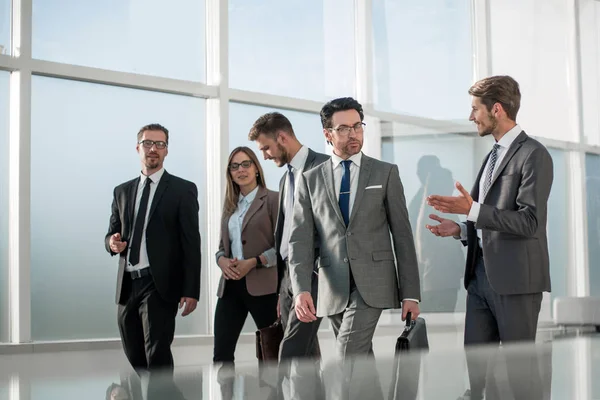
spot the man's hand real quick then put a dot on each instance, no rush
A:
(227, 267)
(305, 309)
(243, 267)
(412, 307)
(278, 309)
(460, 204)
(115, 243)
(190, 305)
(446, 227)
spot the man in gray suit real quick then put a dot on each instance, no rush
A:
(277, 141)
(350, 205)
(507, 265)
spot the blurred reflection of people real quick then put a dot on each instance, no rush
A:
(440, 262)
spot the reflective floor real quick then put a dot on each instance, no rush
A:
(564, 368)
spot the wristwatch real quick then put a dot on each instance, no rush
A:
(258, 263)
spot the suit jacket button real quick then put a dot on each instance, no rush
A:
(243, 242)
(345, 259)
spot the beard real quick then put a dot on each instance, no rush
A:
(491, 128)
(152, 162)
(284, 157)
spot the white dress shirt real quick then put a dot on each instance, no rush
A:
(338, 171)
(504, 143)
(235, 224)
(297, 164)
(155, 178)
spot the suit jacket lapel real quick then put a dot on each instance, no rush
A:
(160, 190)
(510, 152)
(255, 206)
(225, 236)
(475, 189)
(363, 179)
(310, 159)
(327, 171)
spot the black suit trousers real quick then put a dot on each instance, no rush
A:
(230, 316)
(147, 326)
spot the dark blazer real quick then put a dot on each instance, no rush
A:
(513, 220)
(312, 161)
(172, 236)
(257, 236)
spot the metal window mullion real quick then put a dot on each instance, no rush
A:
(19, 182)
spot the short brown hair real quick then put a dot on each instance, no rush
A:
(153, 127)
(499, 89)
(269, 125)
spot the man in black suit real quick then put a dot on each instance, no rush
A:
(155, 230)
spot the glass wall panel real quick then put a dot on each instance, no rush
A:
(592, 182)
(83, 145)
(5, 26)
(536, 56)
(422, 57)
(149, 37)
(296, 48)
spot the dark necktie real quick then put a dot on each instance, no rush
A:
(289, 214)
(136, 242)
(490, 172)
(344, 199)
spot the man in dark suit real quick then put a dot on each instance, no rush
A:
(277, 141)
(155, 230)
(507, 265)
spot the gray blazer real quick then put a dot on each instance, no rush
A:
(513, 220)
(365, 246)
(312, 161)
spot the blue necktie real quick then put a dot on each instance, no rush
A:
(344, 199)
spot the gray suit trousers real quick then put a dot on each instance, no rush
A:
(494, 318)
(355, 326)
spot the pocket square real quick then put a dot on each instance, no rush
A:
(374, 187)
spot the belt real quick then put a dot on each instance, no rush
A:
(140, 273)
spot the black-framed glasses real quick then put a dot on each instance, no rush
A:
(344, 130)
(235, 166)
(149, 143)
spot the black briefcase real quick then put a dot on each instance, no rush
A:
(414, 336)
(267, 342)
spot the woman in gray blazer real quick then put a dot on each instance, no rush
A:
(246, 255)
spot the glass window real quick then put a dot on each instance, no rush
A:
(5, 26)
(82, 146)
(592, 181)
(429, 164)
(589, 34)
(150, 37)
(318, 66)
(558, 224)
(534, 57)
(422, 57)
(307, 128)
(4, 289)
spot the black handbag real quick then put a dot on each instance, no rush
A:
(414, 336)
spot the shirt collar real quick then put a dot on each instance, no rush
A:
(249, 198)
(509, 137)
(300, 158)
(155, 177)
(356, 159)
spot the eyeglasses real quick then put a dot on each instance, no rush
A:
(235, 166)
(149, 143)
(345, 129)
